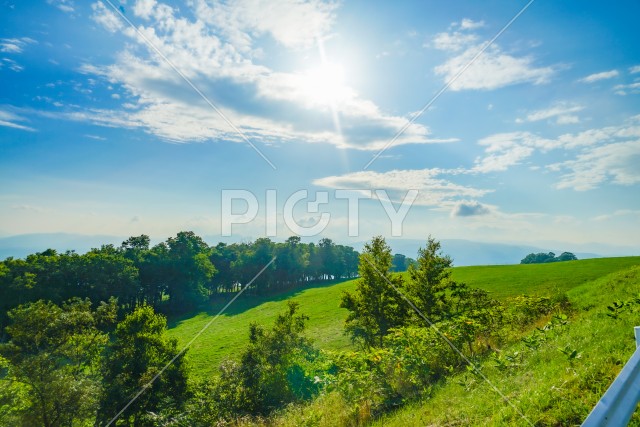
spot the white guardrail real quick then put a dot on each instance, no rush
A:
(619, 402)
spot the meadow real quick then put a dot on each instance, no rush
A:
(228, 334)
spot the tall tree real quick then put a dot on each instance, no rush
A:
(54, 351)
(375, 306)
(430, 282)
(139, 350)
(190, 271)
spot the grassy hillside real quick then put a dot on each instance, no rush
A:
(540, 279)
(228, 334)
(542, 382)
(548, 387)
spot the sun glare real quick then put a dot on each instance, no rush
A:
(325, 85)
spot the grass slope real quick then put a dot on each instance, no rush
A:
(547, 387)
(228, 334)
(540, 279)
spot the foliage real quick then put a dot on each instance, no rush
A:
(52, 357)
(560, 372)
(401, 263)
(276, 368)
(542, 258)
(430, 282)
(138, 352)
(375, 306)
(174, 276)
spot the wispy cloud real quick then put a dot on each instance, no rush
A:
(616, 162)
(604, 75)
(452, 41)
(561, 111)
(9, 119)
(618, 213)
(15, 45)
(602, 155)
(433, 190)
(67, 6)
(493, 69)
(635, 69)
(631, 88)
(469, 24)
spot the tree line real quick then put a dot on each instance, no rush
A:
(173, 276)
(542, 258)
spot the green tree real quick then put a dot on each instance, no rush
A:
(539, 258)
(566, 256)
(189, 271)
(53, 352)
(139, 351)
(375, 306)
(273, 369)
(430, 284)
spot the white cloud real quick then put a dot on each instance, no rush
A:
(293, 23)
(433, 191)
(468, 24)
(635, 69)
(106, 17)
(560, 110)
(491, 70)
(600, 76)
(632, 88)
(144, 8)
(505, 150)
(14, 45)
(9, 119)
(502, 161)
(13, 65)
(618, 213)
(454, 41)
(64, 5)
(568, 119)
(617, 162)
(265, 104)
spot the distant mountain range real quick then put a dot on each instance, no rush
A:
(467, 252)
(21, 245)
(463, 252)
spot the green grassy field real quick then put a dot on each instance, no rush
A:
(544, 386)
(229, 333)
(540, 279)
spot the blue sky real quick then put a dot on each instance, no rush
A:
(538, 140)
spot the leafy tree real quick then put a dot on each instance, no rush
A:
(53, 352)
(398, 263)
(430, 283)
(542, 258)
(566, 256)
(190, 271)
(139, 350)
(272, 371)
(375, 306)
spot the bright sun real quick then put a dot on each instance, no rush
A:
(325, 85)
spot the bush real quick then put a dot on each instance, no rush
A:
(277, 368)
